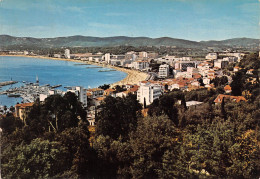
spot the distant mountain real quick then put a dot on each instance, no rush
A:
(87, 41)
(236, 42)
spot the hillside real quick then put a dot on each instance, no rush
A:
(7, 41)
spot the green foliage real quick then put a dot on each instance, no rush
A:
(39, 159)
(104, 87)
(154, 137)
(56, 114)
(52, 143)
(250, 61)
(165, 105)
(118, 116)
(202, 95)
(9, 124)
(238, 82)
(119, 88)
(220, 81)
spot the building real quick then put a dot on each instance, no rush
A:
(228, 89)
(67, 53)
(44, 96)
(185, 64)
(164, 71)
(236, 69)
(143, 54)
(81, 93)
(110, 92)
(107, 58)
(236, 99)
(221, 63)
(140, 65)
(148, 92)
(22, 110)
(212, 56)
(96, 92)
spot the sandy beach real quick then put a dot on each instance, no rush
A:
(133, 76)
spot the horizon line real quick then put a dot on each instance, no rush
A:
(126, 36)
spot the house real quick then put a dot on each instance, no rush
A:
(134, 89)
(97, 101)
(236, 99)
(192, 104)
(22, 110)
(250, 72)
(236, 69)
(96, 92)
(228, 89)
(109, 92)
(206, 81)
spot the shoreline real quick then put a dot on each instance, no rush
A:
(133, 76)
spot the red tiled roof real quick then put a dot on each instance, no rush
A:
(227, 87)
(235, 98)
(95, 89)
(23, 105)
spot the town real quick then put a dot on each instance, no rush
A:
(165, 73)
(129, 89)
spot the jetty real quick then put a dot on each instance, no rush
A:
(94, 67)
(106, 70)
(5, 83)
(81, 64)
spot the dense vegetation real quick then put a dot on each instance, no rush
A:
(173, 141)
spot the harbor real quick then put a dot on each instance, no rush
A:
(30, 91)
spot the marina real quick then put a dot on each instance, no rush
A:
(29, 92)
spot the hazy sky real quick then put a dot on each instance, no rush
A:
(186, 19)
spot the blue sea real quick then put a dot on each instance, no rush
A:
(51, 72)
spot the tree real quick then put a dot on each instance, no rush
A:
(237, 83)
(9, 124)
(80, 156)
(154, 137)
(223, 111)
(56, 114)
(245, 156)
(104, 87)
(118, 116)
(39, 159)
(119, 88)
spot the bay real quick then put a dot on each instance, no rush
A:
(51, 72)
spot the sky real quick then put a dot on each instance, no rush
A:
(185, 19)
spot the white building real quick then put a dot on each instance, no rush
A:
(148, 92)
(143, 54)
(81, 93)
(183, 74)
(220, 63)
(43, 96)
(212, 56)
(140, 65)
(107, 58)
(67, 53)
(206, 81)
(164, 71)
